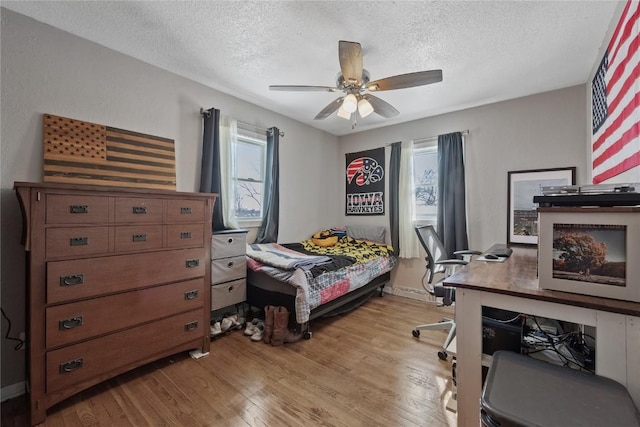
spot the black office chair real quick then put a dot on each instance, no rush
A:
(437, 263)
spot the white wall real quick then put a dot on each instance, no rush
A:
(541, 131)
(45, 70)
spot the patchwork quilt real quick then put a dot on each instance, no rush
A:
(321, 274)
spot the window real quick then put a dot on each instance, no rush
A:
(425, 182)
(248, 175)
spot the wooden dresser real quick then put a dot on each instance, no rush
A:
(116, 278)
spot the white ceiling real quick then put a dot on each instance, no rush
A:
(489, 51)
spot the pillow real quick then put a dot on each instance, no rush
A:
(373, 233)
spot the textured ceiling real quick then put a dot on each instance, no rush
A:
(488, 50)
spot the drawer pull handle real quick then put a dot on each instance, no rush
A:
(230, 289)
(72, 279)
(189, 295)
(71, 365)
(70, 323)
(185, 211)
(185, 235)
(188, 327)
(139, 237)
(230, 264)
(191, 263)
(138, 210)
(230, 240)
(78, 209)
(79, 241)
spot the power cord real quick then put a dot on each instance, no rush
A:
(568, 342)
(20, 342)
(517, 317)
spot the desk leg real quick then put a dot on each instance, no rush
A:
(469, 356)
(633, 358)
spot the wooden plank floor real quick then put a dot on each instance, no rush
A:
(363, 368)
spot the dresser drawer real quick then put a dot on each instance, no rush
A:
(225, 269)
(85, 319)
(228, 294)
(92, 359)
(228, 244)
(70, 280)
(74, 209)
(138, 238)
(185, 235)
(77, 241)
(185, 210)
(138, 209)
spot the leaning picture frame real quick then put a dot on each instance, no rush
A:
(522, 214)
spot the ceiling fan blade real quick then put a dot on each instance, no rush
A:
(329, 109)
(402, 81)
(381, 107)
(350, 54)
(301, 88)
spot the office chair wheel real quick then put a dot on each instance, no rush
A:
(416, 333)
(443, 355)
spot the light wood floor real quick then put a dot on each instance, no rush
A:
(359, 369)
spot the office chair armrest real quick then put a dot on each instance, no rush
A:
(467, 252)
(446, 262)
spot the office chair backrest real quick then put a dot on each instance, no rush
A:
(434, 248)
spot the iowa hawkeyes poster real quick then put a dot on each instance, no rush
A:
(365, 182)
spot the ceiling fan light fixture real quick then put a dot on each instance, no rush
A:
(353, 80)
(364, 108)
(343, 113)
(350, 103)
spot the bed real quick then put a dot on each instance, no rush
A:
(312, 281)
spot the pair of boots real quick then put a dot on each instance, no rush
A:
(276, 332)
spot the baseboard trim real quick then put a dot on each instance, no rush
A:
(13, 390)
(412, 293)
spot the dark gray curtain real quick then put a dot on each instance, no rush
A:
(394, 193)
(210, 181)
(452, 216)
(268, 232)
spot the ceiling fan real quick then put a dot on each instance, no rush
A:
(354, 81)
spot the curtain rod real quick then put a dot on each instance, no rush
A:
(243, 124)
(430, 138)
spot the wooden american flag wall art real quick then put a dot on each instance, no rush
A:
(77, 152)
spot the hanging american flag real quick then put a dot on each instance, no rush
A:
(615, 101)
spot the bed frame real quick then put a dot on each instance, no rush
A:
(260, 295)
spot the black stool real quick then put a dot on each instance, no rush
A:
(522, 391)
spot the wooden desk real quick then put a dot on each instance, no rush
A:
(513, 285)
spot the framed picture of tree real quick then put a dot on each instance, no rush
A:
(522, 214)
(590, 251)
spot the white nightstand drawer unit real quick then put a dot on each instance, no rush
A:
(228, 244)
(225, 269)
(229, 293)
(228, 268)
